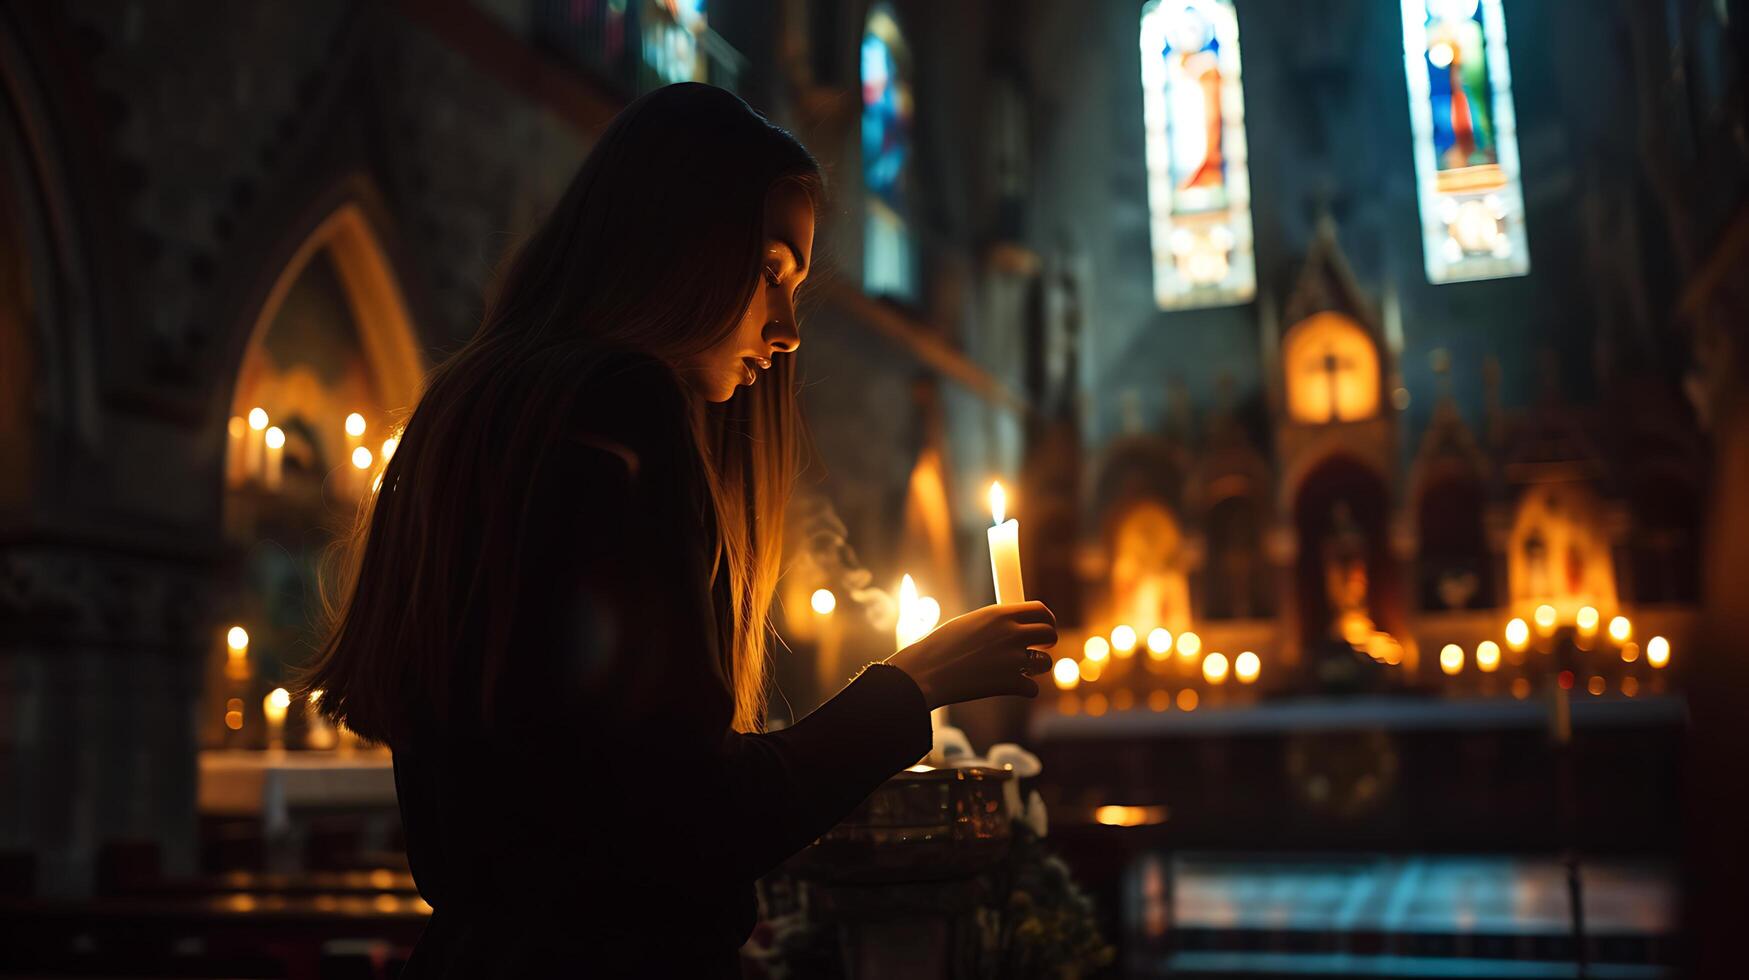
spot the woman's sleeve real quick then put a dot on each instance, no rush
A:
(647, 696)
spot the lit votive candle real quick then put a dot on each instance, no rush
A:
(275, 470)
(254, 448)
(273, 708)
(1004, 549)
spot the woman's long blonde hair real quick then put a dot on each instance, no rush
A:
(655, 247)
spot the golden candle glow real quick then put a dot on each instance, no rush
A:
(1630, 686)
(1187, 699)
(1657, 651)
(234, 714)
(823, 601)
(1129, 816)
(1214, 668)
(1096, 648)
(1596, 685)
(273, 708)
(1159, 643)
(1067, 673)
(1517, 634)
(237, 638)
(1620, 629)
(918, 614)
(1487, 656)
(1004, 549)
(274, 471)
(1159, 700)
(254, 444)
(1189, 644)
(1091, 669)
(1451, 658)
(1586, 620)
(355, 425)
(1545, 619)
(389, 446)
(361, 458)
(276, 703)
(1123, 641)
(236, 430)
(1630, 652)
(1246, 667)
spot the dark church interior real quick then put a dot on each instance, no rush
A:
(1362, 384)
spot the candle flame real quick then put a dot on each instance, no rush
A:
(907, 595)
(998, 502)
(258, 418)
(279, 698)
(275, 437)
(928, 614)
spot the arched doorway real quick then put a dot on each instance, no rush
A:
(331, 368)
(1455, 568)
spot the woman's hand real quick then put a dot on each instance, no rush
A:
(984, 653)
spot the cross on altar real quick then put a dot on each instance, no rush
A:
(1333, 366)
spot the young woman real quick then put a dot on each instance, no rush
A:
(555, 615)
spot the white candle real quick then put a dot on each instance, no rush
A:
(1005, 550)
(320, 736)
(354, 431)
(254, 443)
(236, 434)
(275, 470)
(273, 708)
(237, 662)
(826, 632)
(361, 463)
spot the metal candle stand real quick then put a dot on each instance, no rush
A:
(902, 878)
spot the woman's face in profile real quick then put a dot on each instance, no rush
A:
(769, 324)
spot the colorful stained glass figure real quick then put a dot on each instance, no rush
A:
(888, 266)
(1199, 188)
(672, 29)
(1466, 142)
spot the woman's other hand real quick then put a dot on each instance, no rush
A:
(986, 652)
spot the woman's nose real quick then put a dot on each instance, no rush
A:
(782, 332)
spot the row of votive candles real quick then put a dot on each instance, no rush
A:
(257, 449)
(1161, 646)
(276, 704)
(274, 708)
(1587, 627)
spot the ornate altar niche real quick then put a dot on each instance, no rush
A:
(1347, 590)
(1558, 553)
(1454, 566)
(1145, 581)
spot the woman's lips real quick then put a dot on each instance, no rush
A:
(752, 366)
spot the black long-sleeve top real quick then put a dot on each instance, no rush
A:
(610, 821)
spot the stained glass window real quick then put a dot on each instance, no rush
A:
(1199, 189)
(672, 29)
(1466, 142)
(888, 255)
